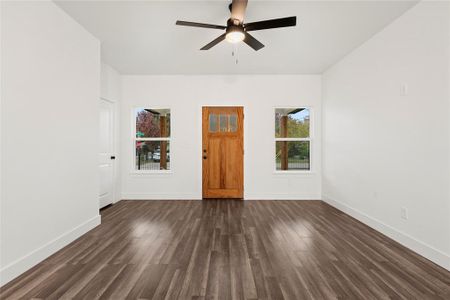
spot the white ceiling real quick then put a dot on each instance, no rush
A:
(140, 37)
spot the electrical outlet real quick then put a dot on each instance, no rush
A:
(404, 89)
(404, 213)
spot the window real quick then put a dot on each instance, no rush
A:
(292, 139)
(152, 139)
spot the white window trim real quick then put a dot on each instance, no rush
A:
(134, 139)
(310, 139)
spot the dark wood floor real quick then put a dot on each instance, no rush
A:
(231, 250)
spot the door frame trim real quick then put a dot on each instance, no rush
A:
(200, 146)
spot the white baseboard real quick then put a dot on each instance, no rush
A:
(281, 197)
(26, 262)
(438, 257)
(132, 196)
(166, 196)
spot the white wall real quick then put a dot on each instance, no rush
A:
(110, 83)
(386, 148)
(185, 95)
(50, 95)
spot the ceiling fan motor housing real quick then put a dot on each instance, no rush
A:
(234, 22)
(233, 27)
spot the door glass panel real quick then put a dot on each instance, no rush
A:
(233, 123)
(212, 123)
(223, 123)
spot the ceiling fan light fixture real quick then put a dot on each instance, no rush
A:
(235, 37)
(237, 31)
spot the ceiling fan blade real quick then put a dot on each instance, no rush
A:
(214, 42)
(268, 24)
(238, 9)
(202, 25)
(252, 42)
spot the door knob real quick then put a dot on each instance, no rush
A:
(113, 157)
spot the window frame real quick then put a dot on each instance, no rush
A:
(135, 139)
(309, 139)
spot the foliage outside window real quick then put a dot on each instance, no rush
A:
(152, 139)
(292, 139)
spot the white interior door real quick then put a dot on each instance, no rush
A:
(106, 157)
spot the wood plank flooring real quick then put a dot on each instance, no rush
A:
(226, 249)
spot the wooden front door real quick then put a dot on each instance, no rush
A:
(223, 152)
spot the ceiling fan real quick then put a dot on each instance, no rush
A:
(237, 31)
